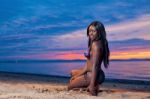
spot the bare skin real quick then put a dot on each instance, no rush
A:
(88, 76)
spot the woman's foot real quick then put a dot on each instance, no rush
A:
(69, 88)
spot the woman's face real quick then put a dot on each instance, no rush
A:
(92, 32)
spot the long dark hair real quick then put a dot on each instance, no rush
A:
(102, 36)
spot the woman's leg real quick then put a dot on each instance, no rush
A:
(100, 80)
(80, 82)
(75, 71)
(84, 81)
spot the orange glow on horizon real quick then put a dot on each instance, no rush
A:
(71, 56)
(130, 55)
(136, 54)
(75, 55)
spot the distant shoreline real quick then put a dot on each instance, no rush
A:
(28, 61)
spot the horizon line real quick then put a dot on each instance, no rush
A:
(61, 60)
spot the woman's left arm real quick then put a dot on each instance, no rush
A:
(96, 59)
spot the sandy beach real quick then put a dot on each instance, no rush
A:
(27, 86)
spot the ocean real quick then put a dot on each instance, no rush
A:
(130, 70)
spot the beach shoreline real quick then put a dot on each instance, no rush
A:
(32, 86)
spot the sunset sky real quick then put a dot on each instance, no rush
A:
(56, 29)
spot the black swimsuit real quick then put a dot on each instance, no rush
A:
(101, 76)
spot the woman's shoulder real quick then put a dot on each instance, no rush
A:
(96, 45)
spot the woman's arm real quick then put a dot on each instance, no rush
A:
(96, 61)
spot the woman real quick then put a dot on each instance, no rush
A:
(98, 51)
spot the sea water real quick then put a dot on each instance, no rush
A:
(132, 70)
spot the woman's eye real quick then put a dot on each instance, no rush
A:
(92, 31)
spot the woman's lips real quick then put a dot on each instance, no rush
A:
(91, 36)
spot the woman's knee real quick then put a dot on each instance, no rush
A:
(73, 72)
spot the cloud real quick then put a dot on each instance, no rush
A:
(77, 40)
(50, 26)
(135, 28)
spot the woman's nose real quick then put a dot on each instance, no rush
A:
(91, 33)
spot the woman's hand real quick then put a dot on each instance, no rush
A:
(74, 77)
(93, 90)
